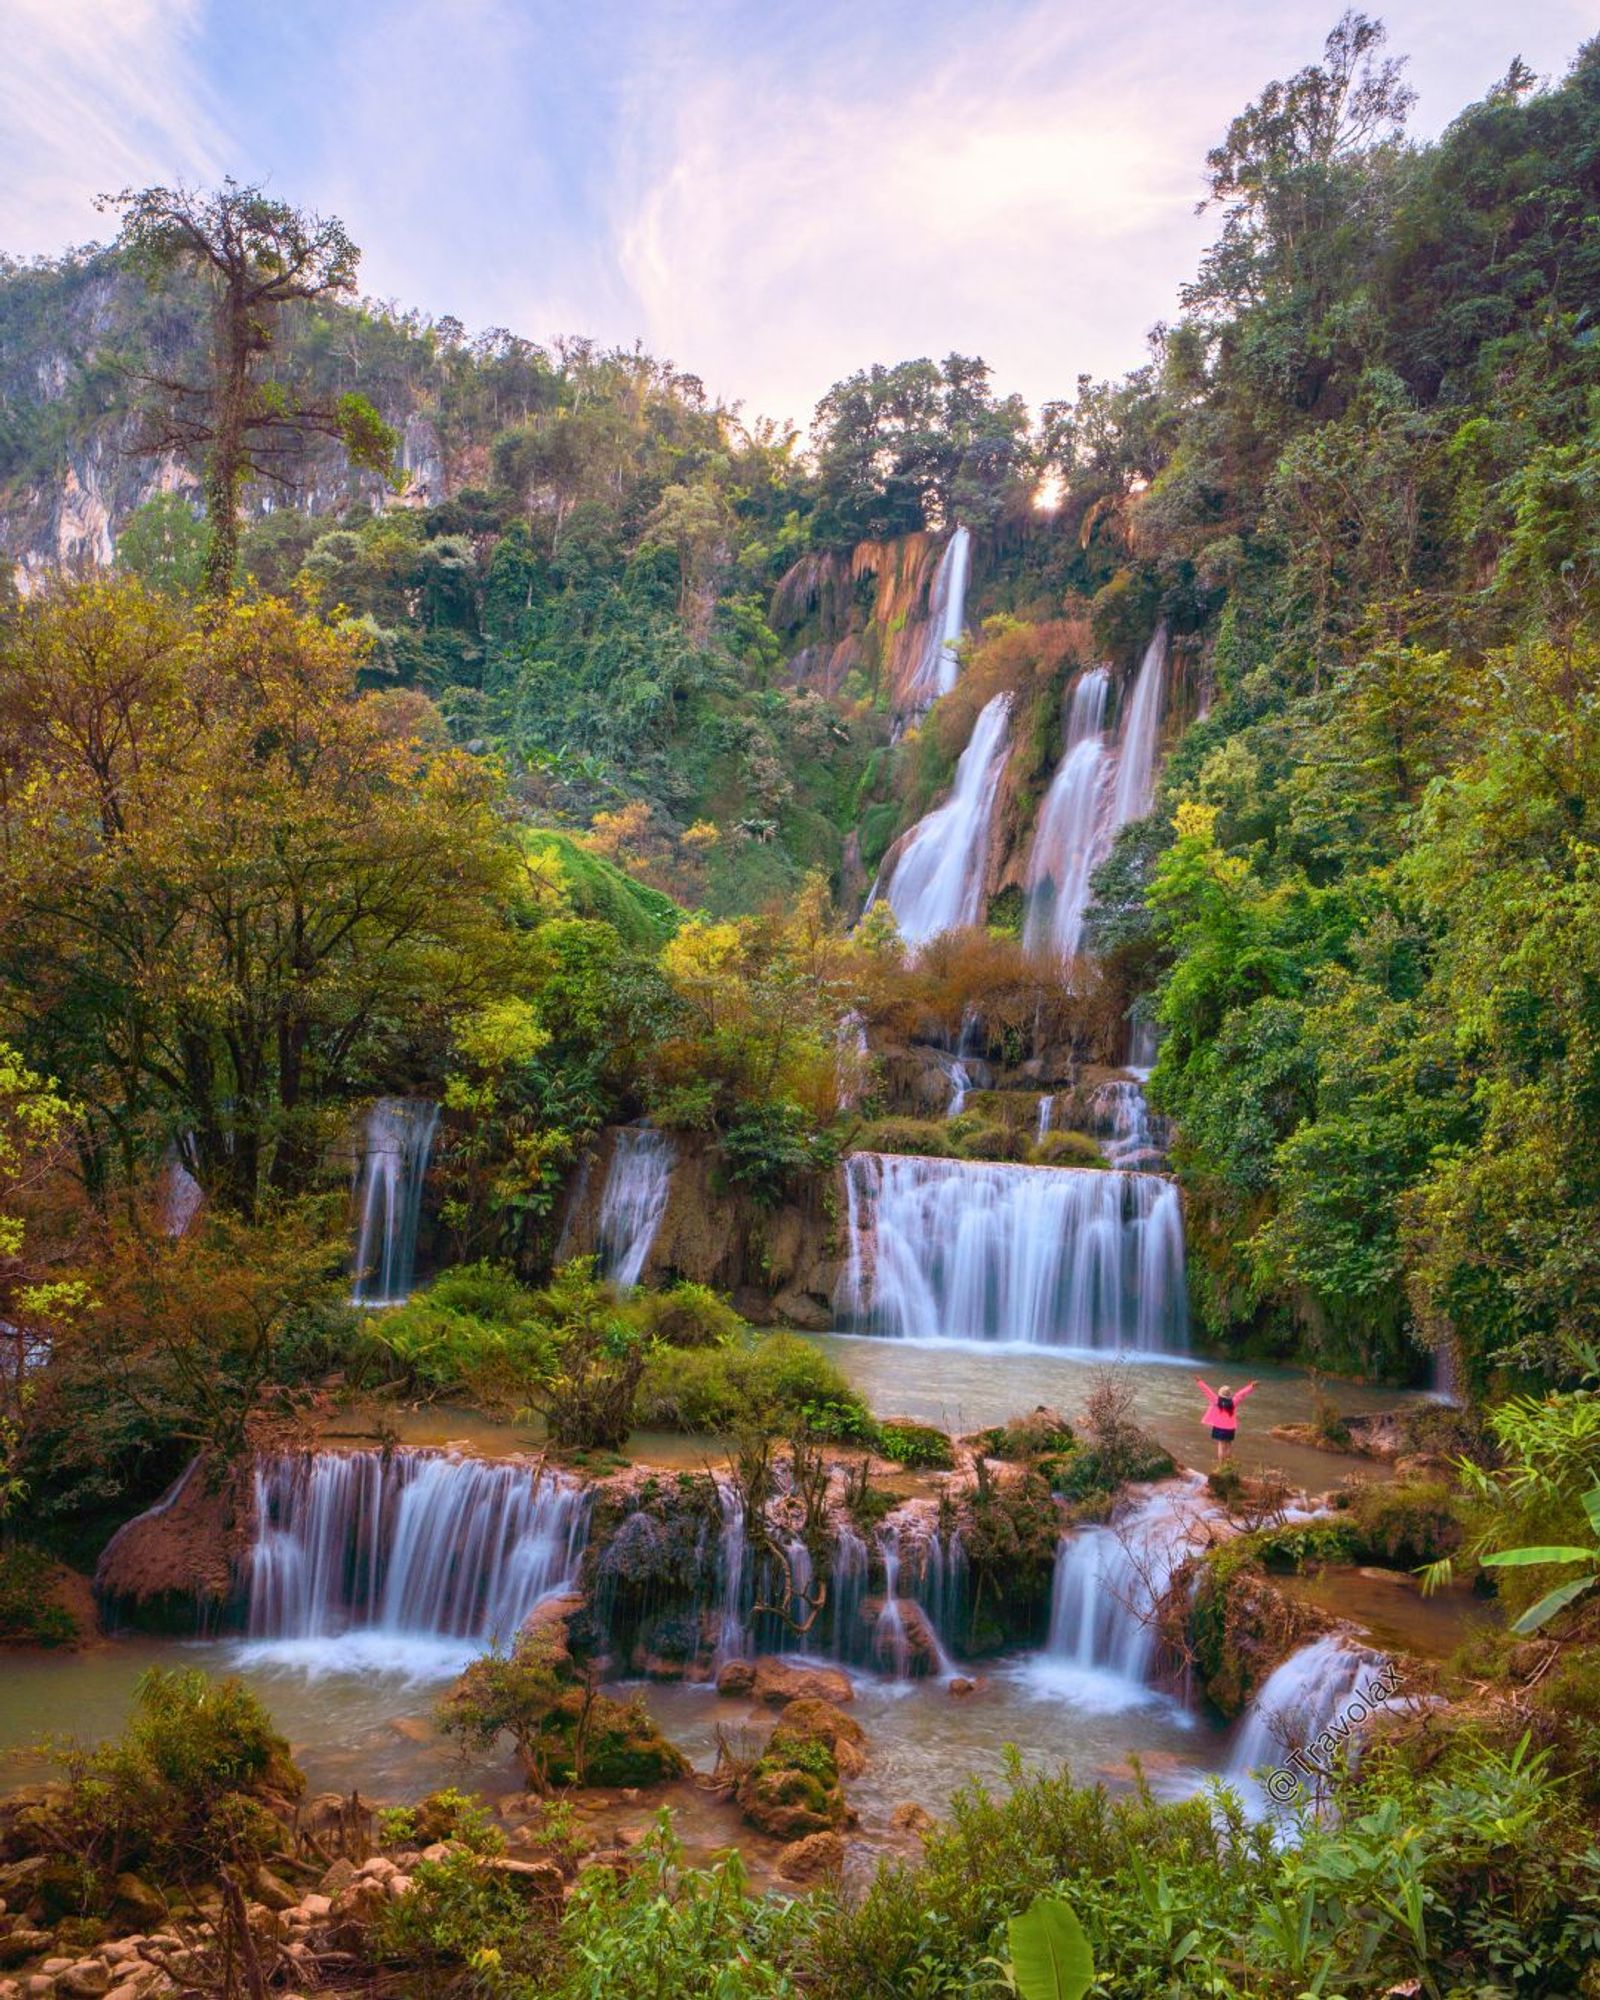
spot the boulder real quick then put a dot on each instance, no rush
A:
(135, 1901)
(178, 1558)
(913, 1651)
(811, 1859)
(909, 1817)
(18, 1946)
(530, 1878)
(338, 1877)
(86, 1980)
(813, 1721)
(776, 1682)
(271, 1891)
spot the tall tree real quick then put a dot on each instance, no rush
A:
(242, 422)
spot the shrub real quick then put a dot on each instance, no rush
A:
(30, 1614)
(1407, 1524)
(183, 1791)
(769, 1149)
(475, 1332)
(1066, 1149)
(923, 1137)
(588, 1399)
(770, 1384)
(916, 1445)
(976, 1138)
(688, 1315)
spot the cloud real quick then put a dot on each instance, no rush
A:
(96, 95)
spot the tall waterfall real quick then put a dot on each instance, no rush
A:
(405, 1559)
(1108, 1583)
(633, 1202)
(388, 1197)
(1048, 1256)
(1316, 1688)
(1067, 843)
(936, 883)
(1079, 822)
(1136, 741)
(939, 665)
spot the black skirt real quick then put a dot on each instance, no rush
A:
(1221, 1436)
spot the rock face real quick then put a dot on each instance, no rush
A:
(784, 1269)
(776, 1683)
(173, 1566)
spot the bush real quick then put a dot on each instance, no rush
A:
(769, 1149)
(927, 1138)
(1407, 1525)
(185, 1789)
(476, 1332)
(919, 1446)
(770, 1384)
(688, 1315)
(588, 1398)
(30, 1614)
(977, 1138)
(1066, 1149)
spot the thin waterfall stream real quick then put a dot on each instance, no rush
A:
(398, 1143)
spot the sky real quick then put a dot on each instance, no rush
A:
(769, 194)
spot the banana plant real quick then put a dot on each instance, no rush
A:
(1050, 1956)
(1559, 1552)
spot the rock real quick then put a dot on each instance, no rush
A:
(323, 1813)
(274, 1893)
(531, 1878)
(960, 1684)
(179, 1555)
(338, 1877)
(807, 1860)
(915, 1646)
(86, 1980)
(411, 1728)
(314, 1908)
(22, 1944)
(778, 1682)
(396, 1886)
(38, 1986)
(738, 1677)
(439, 1850)
(812, 1721)
(909, 1817)
(381, 1867)
(802, 1309)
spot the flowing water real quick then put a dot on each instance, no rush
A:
(1317, 1688)
(1067, 842)
(1130, 1135)
(633, 1202)
(1041, 1256)
(406, 1562)
(388, 1197)
(940, 663)
(1097, 790)
(936, 882)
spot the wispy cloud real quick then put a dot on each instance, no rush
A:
(96, 95)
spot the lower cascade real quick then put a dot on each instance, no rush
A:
(388, 1197)
(1047, 1256)
(406, 1546)
(633, 1202)
(1108, 1584)
(1316, 1688)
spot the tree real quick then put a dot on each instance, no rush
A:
(234, 889)
(257, 256)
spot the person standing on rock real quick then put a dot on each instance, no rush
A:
(1221, 1417)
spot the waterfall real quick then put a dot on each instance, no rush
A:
(1142, 1044)
(939, 665)
(732, 1582)
(1047, 1256)
(1136, 742)
(407, 1559)
(847, 1586)
(1122, 1117)
(1047, 1107)
(960, 1083)
(388, 1197)
(1068, 842)
(1078, 825)
(1108, 1585)
(936, 882)
(1316, 1688)
(181, 1195)
(633, 1202)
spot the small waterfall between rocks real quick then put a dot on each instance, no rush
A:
(940, 664)
(1046, 1256)
(1047, 1107)
(633, 1202)
(1108, 1584)
(388, 1197)
(1131, 1136)
(407, 1560)
(1316, 1688)
(936, 881)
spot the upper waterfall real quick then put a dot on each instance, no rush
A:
(936, 882)
(939, 664)
(633, 1202)
(960, 1250)
(388, 1197)
(1096, 791)
(1066, 842)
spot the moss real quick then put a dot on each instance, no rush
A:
(1408, 1524)
(1066, 1149)
(1091, 1471)
(916, 1445)
(1240, 1626)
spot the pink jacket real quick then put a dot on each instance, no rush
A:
(1216, 1417)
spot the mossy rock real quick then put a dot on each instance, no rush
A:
(919, 1446)
(1407, 1525)
(622, 1746)
(793, 1790)
(1066, 1149)
(1089, 1474)
(1241, 1626)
